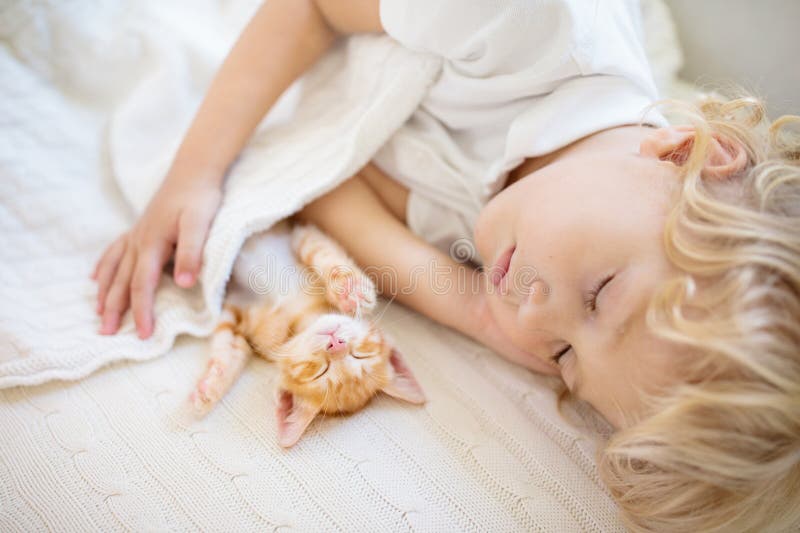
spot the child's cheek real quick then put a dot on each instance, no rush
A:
(505, 316)
(480, 233)
(486, 229)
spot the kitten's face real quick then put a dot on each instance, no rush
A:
(339, 361)
(336, 365)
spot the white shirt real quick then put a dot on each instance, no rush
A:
(520, 78)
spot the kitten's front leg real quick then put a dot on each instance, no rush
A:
(229, 354)
(346, 286)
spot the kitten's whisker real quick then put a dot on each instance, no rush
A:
(397, 320)
(324, 402)
(385, 308)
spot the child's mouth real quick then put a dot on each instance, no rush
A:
(500, 268)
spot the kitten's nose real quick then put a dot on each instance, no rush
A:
(336, 345)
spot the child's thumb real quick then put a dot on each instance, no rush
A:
(192, 232)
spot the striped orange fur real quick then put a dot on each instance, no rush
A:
(298, 334)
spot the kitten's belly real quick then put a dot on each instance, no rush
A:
(266, 267)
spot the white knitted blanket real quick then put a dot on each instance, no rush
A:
(65, 144)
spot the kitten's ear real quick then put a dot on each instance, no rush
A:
(293, 414)
(403, 384)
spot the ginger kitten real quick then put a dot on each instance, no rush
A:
(331, 359)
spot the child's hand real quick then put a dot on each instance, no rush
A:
(242, 92)
(487, 332)
(127, 274)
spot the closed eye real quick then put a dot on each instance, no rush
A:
(321, 372)
(358, 355)
(590, 304)
(590, 300)
(561, 353)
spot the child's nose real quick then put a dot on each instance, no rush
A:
(335, 345)
(537, 309)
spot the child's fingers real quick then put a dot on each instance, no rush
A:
(101, 261)
(143, 288)
(108, 252)
(106, 269)
(192, 230)
(119, 294)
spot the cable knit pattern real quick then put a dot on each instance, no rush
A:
(94, 98)
(488, 451)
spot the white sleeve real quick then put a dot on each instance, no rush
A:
(551, 71)
(502, 35)
(557, 38)
(453, 29)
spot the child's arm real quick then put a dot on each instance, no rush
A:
(281, 41)
(402, 265)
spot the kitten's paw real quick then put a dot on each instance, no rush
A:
(210, 388)
(350, 290)
(305, 240)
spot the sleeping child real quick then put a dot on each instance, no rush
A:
(654, 268)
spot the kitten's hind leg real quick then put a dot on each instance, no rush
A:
(229, 354)
(346, 286)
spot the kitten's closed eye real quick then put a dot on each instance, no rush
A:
(309, 371)
(371, 344)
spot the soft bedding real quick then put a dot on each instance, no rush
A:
(93, 99)
(341, 113)
(488, 452)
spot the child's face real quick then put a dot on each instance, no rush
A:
(592, 217)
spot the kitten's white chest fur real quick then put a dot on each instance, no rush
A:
(266, 269)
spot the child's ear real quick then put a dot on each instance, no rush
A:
(293, 414)
(403, 384)
(724, 158)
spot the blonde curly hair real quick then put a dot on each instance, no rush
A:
(721, 450)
